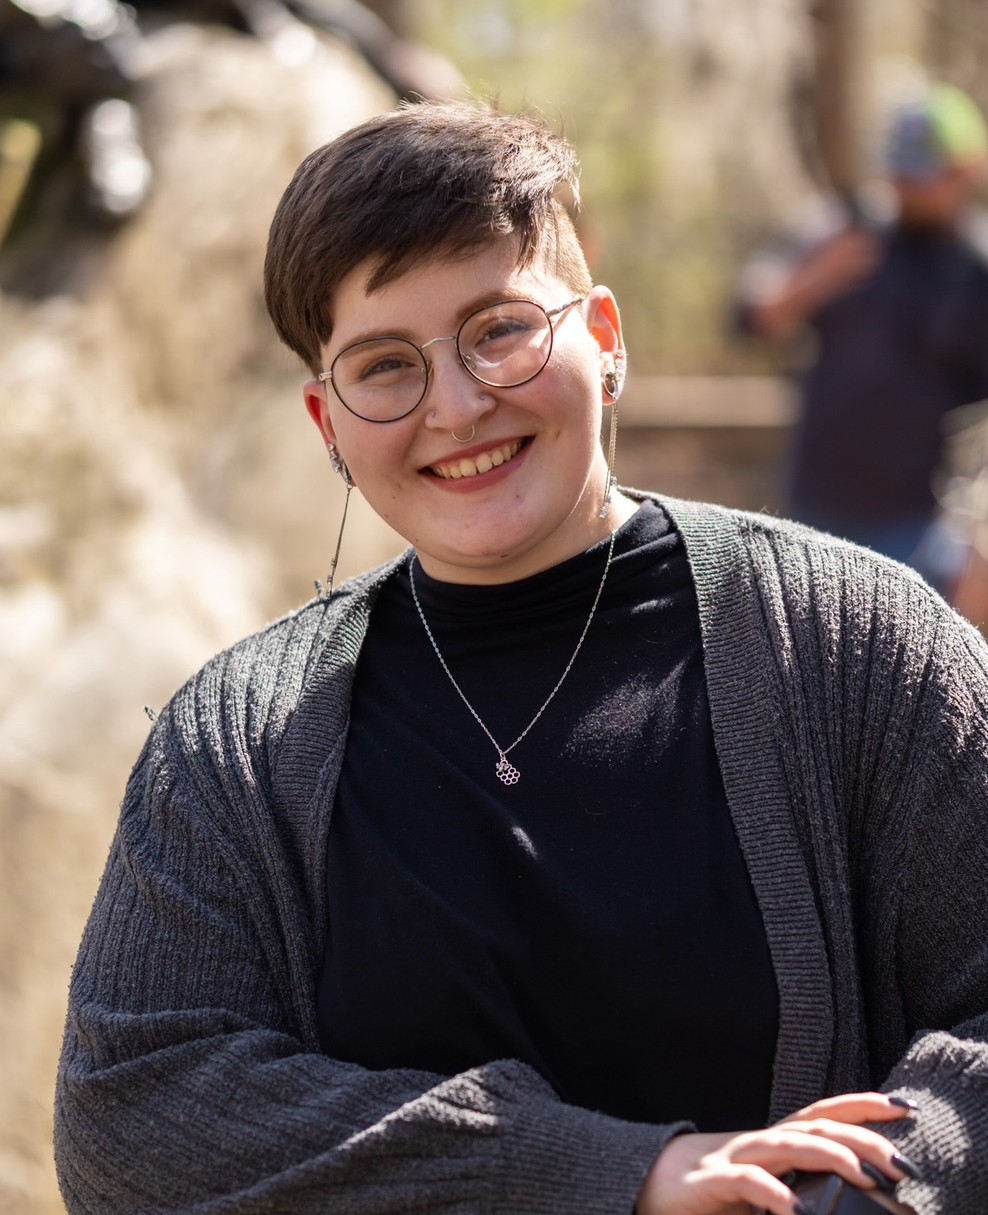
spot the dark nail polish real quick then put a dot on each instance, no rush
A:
(905, 1165)
(904, 1103)
(802, 1209)
(884, 1183)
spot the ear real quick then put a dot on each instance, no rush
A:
(604, 321)
(317, 406)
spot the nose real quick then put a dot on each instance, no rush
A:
(453, 400)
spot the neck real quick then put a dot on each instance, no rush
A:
(588, 529)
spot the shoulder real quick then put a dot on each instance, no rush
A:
(786, 610)
(251, 690)
(758, 572)
(721, 537)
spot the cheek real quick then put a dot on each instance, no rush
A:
(373, 453)
(572, 379)
(579, 396)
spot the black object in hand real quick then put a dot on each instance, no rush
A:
(825, 1194)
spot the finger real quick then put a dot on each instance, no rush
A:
(856, 1107)
(740, 1187)
(782, 1150)
(878, 1161)
(823, 1145)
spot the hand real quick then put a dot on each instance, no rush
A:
(728, 1173)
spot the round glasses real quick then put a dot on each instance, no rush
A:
(382, 379)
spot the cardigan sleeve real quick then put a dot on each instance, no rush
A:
(938, 923)
(186, 1084)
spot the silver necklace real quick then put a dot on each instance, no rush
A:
(506, 770)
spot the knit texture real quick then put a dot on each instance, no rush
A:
(848, 706)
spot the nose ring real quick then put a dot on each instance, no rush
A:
(467, 438)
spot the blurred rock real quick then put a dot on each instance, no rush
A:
(160, 495)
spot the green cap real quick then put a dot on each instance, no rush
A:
(942, 130)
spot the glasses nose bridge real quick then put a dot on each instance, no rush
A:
(429, 365)
(433, 341)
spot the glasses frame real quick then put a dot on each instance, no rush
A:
(550, 315)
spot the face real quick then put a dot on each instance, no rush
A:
(533, 473)
(938, 201)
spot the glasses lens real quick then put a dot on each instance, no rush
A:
(381, 379)
(506, 344)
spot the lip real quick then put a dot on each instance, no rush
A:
(477, 480)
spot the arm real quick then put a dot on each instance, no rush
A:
(189, 1078)
(779, 297)
(938, 923)
(705, 1174)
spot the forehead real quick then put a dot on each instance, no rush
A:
(439, 289)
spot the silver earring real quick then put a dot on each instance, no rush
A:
(613, 378)
(339, 467)
(613, 381)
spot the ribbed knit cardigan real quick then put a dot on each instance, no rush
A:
(848, 707)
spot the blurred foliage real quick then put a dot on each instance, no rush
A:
(695, 123)
(608, 77)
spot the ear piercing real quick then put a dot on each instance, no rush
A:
(613, 377)
(339, 464)
(613, 381)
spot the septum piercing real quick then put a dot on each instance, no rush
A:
(469, 438)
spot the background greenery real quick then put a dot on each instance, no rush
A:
(698, 122)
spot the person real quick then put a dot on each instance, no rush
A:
(898, 309)
(603, 852)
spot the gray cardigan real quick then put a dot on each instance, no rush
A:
(848, 707)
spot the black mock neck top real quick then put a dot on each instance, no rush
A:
(596, 919)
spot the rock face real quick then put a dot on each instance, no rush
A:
(161, 494)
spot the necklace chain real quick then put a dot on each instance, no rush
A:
(505, 770)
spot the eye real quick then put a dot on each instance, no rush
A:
(385, 365)
(380, 362)
(503, 326)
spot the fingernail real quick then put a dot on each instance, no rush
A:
(905, 1165)
(878, 1177)
(802, 1209)
(904, 1103)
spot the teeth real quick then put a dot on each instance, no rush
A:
(467, 467)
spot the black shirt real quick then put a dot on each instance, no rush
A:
(596, 919)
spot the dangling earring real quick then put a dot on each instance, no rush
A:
(613, 381)
(339, 465)
(340, 468)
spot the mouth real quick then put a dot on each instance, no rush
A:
(478, 463)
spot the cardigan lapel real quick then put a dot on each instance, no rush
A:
(744, 689)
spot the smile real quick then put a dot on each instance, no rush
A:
(472, 466)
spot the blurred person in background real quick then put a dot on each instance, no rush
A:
(898, 310)
(603, 852)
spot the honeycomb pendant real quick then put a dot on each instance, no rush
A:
(507, 772)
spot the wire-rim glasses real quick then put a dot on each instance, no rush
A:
(503, 345)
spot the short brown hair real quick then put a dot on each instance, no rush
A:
(436, 177)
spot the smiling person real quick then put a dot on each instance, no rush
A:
(602, 853)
